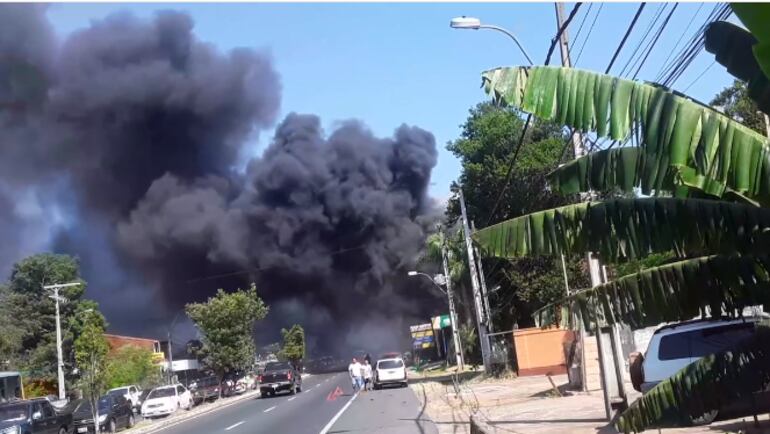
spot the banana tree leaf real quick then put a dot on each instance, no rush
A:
(673, 292)
(622, 168)
(709, 384)
(732, 47)
(705, 148)
(632, 228)
(755, 17)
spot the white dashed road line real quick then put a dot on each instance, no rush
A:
(269, 409)
(234, 425)
(292, 398)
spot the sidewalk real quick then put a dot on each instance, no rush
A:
(531, 405)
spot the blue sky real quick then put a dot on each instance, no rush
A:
(388, 64)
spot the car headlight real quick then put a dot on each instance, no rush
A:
(11, 430)
(102, 418)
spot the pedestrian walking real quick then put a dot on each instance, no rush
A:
(356, 375)
(367, 376)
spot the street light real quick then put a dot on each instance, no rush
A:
(439, 280)
(60, 361)
(473, 23)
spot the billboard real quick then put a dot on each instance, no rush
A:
(422, 335)
(440, 322)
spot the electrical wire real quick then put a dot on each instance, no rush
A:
(698, 77)
(679, 41)
(655, 41)
(633, 58)
(580, 28)
(625, 37)
(590, 30)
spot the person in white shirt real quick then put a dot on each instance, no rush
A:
(356, 375)
(367, 375)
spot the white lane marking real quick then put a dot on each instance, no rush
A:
(292, 398)
(337, 416)
(233, 426)
(318, 385)
(326, 380)
(269, 409)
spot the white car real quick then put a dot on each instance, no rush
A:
(164, 400)
(132, 393)
(674, 346)
(390, 371)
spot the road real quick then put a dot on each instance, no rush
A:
(317, 409)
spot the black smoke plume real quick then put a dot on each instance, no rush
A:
(136, 128)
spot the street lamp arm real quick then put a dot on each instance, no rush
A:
(431, 280)
(510, 35)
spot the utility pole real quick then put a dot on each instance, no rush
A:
(452, 312)
(59, 356)
(477, 300)
(594, 265)
(483, 282)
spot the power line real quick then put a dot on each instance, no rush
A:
(633, 58)
(580, 28)
(590, 30)
(563, 27)
(625, 37)
(698, 77)
(655, 41)
(678, 41)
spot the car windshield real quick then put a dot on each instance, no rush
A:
(121, 391)
(389, 364)
(161, 393)
(13, 412)
(277, 366)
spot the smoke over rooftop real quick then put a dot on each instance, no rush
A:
(129, 131)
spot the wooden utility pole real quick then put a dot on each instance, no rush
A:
(594, 266)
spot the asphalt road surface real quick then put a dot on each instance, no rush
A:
(321, 408)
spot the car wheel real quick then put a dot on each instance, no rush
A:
(404, 384)
(112, 428)
(189, 405)
(299, 388)
(704, 419)
(131, 421)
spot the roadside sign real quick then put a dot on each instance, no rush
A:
(441, 321)
(422, 335)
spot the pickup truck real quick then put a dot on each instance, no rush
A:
(34, 416)
(278, 377)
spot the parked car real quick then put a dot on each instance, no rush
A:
(35, 416)
(674, 346)
(115, 411)
(132, 393)
(164, 400)
(204, 389)
(390, 371)
(278, 377)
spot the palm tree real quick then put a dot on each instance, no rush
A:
(707, 180)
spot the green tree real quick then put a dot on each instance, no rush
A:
(709, 174)
(32, 338)
(489, 138)
(735, 102)
(91, 349)
(226, 322)
(293, 348)
(132, 365)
